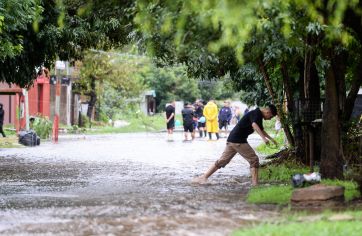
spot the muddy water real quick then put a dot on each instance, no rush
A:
(127, 184)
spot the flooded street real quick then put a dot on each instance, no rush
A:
(124, 184)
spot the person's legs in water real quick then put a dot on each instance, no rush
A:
(231, 149)
(169, 134)
(186, 129)
(221, 125)
(192, 132)
(248, 153)
(185, 135)
(210, 136)
(227, 155)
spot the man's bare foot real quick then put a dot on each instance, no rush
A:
(199, 180)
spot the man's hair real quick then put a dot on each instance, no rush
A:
(273, 109)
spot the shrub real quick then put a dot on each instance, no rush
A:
(42, 126)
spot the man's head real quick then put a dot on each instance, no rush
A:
(226, 103)
(269, 111)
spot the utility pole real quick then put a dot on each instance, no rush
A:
(25, 92)
(58, 65)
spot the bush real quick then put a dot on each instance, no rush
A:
(42, 126)
(85, 122)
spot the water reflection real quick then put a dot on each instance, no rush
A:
(127, 184)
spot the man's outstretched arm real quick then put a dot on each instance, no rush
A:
(264, 135)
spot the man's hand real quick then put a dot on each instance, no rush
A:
(275, 142)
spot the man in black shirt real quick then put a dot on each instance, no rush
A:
(199, 112)
(188, 122)
(170, 120)
(237, 142)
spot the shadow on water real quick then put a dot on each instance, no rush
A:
(130, 184)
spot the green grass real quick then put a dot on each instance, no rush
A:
(137, 123)
(350, 188)
(280, 194)
(317, 228)
(280, 191)
(270, 194)
(10, 141)
(281, 173)
(272, 148)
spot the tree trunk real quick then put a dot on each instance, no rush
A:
(297, 128)
(267, 80)
(312, 103)
(93, 98)
(290, 102)
(331, 158)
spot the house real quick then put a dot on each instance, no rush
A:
(41, 100)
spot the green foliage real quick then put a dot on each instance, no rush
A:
(34, 33)
(111, 77)
(271, 148)
(281, 172)
(43, 127)
(85, 122)
(215, 89)
(115, 69)
(350, 188)
(352, 143)
(15, 16)
(170, 83)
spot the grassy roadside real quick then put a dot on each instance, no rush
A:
(276, 189)
(132, 124)
(140, 123)
(324, 226)
(11, 140)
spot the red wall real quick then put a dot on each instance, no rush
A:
(39, 97)
(39, 100)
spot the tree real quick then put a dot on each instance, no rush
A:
(34, 33)
(170, 83)
(114, 69)
(305, 41)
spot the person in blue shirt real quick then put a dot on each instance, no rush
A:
(225, 115)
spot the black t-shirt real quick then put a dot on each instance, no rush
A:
(187, 115)
(169, 110)
(199, 111)
(244, 128)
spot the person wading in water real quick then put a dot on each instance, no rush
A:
(237, 143)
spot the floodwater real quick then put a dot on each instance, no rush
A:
(124, 184)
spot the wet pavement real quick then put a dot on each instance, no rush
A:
(124, 184)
